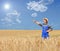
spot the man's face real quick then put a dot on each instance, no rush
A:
(44, 21)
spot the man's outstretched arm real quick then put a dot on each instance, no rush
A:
(38, 23)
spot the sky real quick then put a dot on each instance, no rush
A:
(18, 14)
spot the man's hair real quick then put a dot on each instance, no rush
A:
(46, 19)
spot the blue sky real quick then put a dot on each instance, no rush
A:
(20, 13)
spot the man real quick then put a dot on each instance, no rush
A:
(45, 28)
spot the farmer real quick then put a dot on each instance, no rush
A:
(45, 27)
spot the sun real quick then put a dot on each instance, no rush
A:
(7, 6)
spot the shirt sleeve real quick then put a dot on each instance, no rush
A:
(49, 27)
(40, 25)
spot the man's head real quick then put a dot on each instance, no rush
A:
(45, 20)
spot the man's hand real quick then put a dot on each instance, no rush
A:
(36, 22)
(49, 30)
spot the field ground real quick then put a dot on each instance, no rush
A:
(28, 40)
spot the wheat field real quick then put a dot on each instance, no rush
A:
(28, 40)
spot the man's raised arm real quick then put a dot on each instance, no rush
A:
(38, 23)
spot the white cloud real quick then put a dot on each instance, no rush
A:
(47, 2)
(19, 21)
(39, 6)
(36, 6)
(34, 15)
(11, 18)
(13, 13)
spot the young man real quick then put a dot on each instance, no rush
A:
(45, 28)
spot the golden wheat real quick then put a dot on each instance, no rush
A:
(28, 40)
